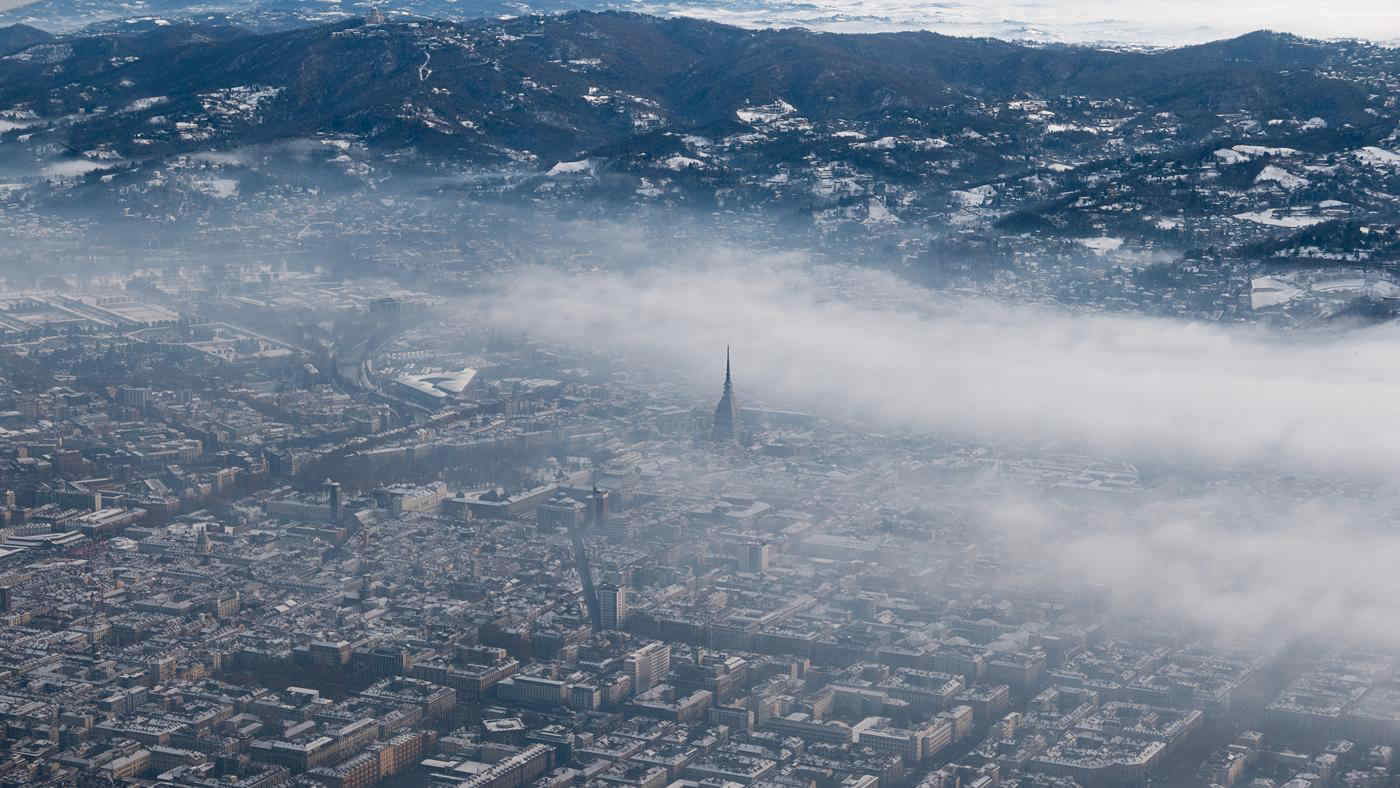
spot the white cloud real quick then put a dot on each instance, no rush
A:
(1075, 21)
(1248, 566)
(864, 345)
(1248, 570)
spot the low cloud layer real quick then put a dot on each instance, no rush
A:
(1248, 571)
(866, 346)
(1237, 559)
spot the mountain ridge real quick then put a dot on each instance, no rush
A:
(15, 38)
(895, 141)
(356, 77)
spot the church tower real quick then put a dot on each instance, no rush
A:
(727, 412)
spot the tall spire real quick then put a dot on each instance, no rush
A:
(726, 426)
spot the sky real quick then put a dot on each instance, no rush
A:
(1138, 22)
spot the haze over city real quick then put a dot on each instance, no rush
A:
(568, 394)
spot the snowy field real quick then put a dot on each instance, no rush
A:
(1071, 21)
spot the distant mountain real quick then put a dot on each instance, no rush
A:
(1043, 21)
(101, 16)
(539, 83)
(897, 137)
(17, 37)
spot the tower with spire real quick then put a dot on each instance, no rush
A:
(726, 427)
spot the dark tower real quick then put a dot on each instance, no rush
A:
(727, 412)
(333, 500)
(598, 515)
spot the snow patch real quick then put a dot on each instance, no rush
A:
(766, 113)
(1255, 151)
(679, 162)
(580, 167)
(220, 158)
(1274, 218)
(1267, 291)
(974, 197)
(1282, 177)
(1243, 153)
(72, 168)
(1065, 128)
(1101, 246)
(242, 102)
(877, 213)
(142, 104)
(890, 143)
(1377, 157)
(222, 188)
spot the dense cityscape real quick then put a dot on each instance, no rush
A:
(414, 550)
(699, 394)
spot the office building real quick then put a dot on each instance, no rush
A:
(612, 604)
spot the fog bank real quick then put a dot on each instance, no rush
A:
(866, 346)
